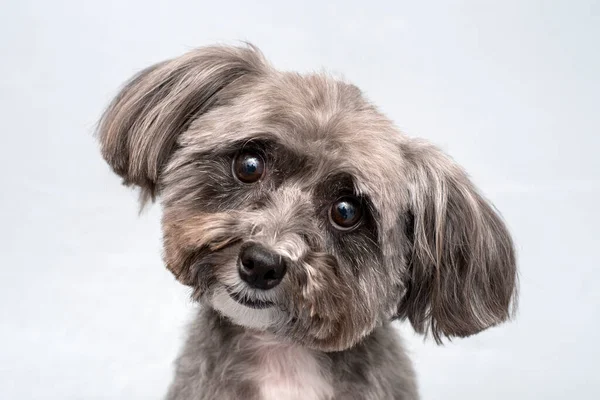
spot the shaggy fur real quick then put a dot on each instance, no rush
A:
(429, 247)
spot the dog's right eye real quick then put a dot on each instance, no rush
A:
(248, 167)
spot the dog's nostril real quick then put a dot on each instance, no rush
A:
(261, 268)
(270, 274)
(249, 264)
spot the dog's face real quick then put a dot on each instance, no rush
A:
(292, 205)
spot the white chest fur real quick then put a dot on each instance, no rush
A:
(286, 371)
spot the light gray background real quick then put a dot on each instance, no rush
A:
(508, 88)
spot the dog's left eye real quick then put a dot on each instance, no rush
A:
(345, 213)
(248, 167)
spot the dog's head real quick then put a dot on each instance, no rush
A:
(292, 205)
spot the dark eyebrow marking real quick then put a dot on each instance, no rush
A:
(337, 185)
(262, 143)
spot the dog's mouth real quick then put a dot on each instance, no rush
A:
(245, 301)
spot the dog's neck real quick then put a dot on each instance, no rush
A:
(285, 370)
(226, 361)
(278, 368)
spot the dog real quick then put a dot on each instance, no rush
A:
(305, 223)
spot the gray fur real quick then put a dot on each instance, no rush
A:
(376, 368)
(429, 248)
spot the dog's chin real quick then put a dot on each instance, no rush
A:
(254, 314)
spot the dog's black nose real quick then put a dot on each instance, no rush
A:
(261, 268)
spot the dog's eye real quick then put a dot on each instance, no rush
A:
(248, 167)
(345, 213)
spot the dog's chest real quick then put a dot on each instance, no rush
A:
(286, 371)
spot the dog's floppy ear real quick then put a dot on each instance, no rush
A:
(139, 129)
(462, 276)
